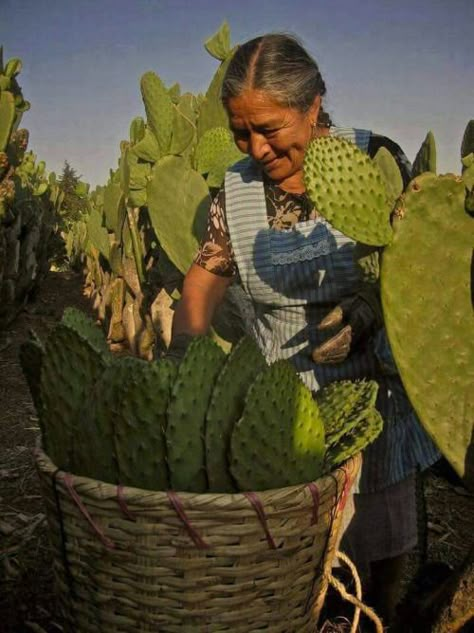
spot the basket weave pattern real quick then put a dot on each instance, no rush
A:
(129, 560)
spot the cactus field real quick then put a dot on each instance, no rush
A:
(83, 366)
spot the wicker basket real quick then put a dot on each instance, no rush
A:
(129, 560)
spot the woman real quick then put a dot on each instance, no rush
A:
(296, 268)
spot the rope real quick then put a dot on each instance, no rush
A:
(357, 599)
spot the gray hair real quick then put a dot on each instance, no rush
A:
(279, 65)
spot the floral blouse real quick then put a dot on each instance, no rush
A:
(284, 209)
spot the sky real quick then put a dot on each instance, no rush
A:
(399, 68)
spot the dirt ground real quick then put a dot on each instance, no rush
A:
(27, 600)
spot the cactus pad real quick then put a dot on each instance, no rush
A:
(189, 401)
(141, 423)
(347, 188)
(343, 404)
(227, 403)
(359, 437)
(426, 298)
(279, 440)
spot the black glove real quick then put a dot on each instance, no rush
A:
(178, 346)
(359, 316)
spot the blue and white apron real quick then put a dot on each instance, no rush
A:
(294, 277)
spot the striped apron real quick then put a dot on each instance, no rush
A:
(293, 278)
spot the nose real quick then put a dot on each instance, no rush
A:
(258, 146)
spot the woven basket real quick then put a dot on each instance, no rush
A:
(129, 560)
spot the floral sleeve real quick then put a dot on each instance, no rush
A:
(215, 252)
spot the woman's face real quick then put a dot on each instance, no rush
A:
(275, 136)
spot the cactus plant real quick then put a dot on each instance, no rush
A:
(189, 401)
(347, 188)
(279, 440)
(227, 403)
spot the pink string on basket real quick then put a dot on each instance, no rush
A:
(68, 481)
(315, 494)
(123, 504)
(258, 507)
(193, 533)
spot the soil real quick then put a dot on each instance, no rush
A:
(27, 598)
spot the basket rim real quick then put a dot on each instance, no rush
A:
(102, 490)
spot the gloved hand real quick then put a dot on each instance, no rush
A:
(178, 346)
(358, 317)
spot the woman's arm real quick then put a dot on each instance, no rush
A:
(202, 293)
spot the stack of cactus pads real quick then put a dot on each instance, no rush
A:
(418, 244)
(215, 422)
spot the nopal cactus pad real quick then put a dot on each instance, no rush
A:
(243, 364)
(347, 188)
(427, 305)
(279, 440)
(343, 404)
(189, 401)
(140, 435)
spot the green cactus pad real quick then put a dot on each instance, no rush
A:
(159, 109)
(227, 403)
(229, 156)
(87, 328)
(425, 160)
(427, 305)
(190, 398)
(210, 146)
(137, 130)
(211, 111)
(93, 446)
(97, 233)
(7, 118)
(184, 131)
(347, 188)
(114, 208)
(467, 144)
(71, 366)
(218, 45)
(279, 440)
(368, 428)
(178, 197)
(343, 404)
(31, 360)
(140, 444)
(148, 148)
(391, 174)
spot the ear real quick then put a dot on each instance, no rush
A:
(314, 110)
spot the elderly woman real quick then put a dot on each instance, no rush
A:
(296, 268)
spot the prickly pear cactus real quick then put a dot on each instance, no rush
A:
(31, 360)
(427, 305)
(279, 440)
(189, 401)
(425, 160)
(93, 446)
(74, 364)
(347, 188)
(178, 196)
(343, 404)
(242, 366)
(355, 440)
(140, 444)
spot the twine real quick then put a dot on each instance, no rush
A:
(258, 507)
(357, 599)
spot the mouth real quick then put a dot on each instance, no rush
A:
(269, 164)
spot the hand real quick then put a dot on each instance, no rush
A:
(359, 316)
(178, 346)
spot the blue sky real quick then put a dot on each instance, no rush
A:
(399, 67)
